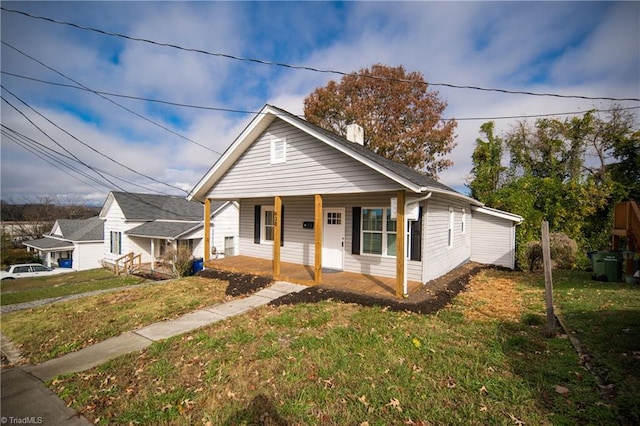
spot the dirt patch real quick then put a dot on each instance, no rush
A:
(430, 298)
(239, 283)
(492, 298)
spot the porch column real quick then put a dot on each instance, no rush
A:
(153, 255)
(400, 245)
(318, 222)
(277, 235)
(207, 230)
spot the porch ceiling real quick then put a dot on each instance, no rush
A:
(303, 274)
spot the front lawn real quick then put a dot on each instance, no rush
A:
(53, 330)
(29, 289)
(483, 360)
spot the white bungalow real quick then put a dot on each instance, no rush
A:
(310, 197)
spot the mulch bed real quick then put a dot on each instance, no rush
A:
(430, 298)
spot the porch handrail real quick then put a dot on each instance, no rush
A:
(128, 263)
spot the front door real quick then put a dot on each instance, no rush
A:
(333, 239)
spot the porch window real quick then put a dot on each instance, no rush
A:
(116, 242)
(264, 225)
(378, 232)
(463, 222)
(268, 223)
(185, 245)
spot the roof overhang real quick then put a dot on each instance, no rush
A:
(499, 213)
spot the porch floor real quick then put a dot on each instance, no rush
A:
(303, 274)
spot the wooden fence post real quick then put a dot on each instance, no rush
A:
(548, 279)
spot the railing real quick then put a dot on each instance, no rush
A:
(128, 264)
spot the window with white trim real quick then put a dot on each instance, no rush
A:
(268, 223)
(378, 231)
(116, 242)
(463, 224)
(278, 150)
(450, 229)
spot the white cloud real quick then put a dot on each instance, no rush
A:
(581, 48)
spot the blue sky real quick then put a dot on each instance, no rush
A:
(582, 48)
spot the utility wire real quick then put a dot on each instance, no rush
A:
(110, 100)
(88, 146)
(44, 149)
(213, 108)
(52, 161)
(308, 68)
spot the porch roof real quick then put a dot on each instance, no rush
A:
(49, 244)
(163, 229)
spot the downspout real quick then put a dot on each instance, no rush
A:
(405, 285)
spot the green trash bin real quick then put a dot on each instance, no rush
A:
(607, 266)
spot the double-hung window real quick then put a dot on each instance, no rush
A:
(268, 223)
(116, 242)
(378, 232)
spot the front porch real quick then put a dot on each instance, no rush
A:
(304, 274)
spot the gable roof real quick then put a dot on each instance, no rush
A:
(91, 229)
(406, 176)
(149, 207)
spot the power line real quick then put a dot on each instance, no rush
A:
(110, 100)
(221, 109)
(308, 68)
(85, 144)
(44, 149)
(41, 152)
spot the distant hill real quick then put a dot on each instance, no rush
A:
(45, 212)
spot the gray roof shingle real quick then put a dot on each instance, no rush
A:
(48, 244)
(406, 172)
(91, 229)
(148, 207)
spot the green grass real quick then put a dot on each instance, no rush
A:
(606, 319)
(335, 363)
(53, 330)
(30, 289)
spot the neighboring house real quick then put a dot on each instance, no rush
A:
(151, 225)
(74, 243)
(310, 197)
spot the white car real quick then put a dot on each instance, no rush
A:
(30, 270)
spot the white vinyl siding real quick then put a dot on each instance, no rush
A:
(437, 258)
(311, 167)
(493, 240)
(299, 245)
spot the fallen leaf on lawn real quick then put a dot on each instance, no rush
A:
(365, 423)
(395, 404)
(562, 390)
(516, 420)
(363, 399)
(483, 408)
(483, 390)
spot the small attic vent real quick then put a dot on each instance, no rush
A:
(355, 133)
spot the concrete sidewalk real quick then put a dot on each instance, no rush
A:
(25, 396)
